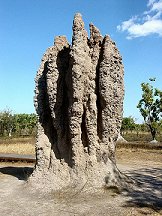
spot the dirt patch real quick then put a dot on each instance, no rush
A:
(17, 198)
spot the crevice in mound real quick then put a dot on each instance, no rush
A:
(64, 59)
(98, 101)
(84, 136)
(62, 105)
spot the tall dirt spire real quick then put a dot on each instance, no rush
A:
(79, 101)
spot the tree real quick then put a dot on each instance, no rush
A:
(6, 122)
(24, 123)
(17, 124)
(150, 107)
(128, 123)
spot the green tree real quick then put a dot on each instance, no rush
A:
(150, 107)
(6, 122)
(128, 123)
(24, 123)
(17, 124)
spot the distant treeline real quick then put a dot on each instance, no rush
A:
(17, 124)
(26, 125)
(129, 125)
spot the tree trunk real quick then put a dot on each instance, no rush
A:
(79, 101)
(153, 132)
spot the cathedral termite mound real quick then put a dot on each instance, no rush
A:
(79, 101)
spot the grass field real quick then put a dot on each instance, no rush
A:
(26, 145)
(17, 145)
(140, 137)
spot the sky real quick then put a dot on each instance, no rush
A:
(28, 28)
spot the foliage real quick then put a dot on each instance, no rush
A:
(6, 122)
(150, 107)
(17, 124)
(128, 123)
(24, 124)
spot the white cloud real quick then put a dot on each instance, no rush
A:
(126, 24)
(150, 2)
(150, 22)
(147, 28)
(157, 6)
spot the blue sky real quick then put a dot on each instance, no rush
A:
(28, 28)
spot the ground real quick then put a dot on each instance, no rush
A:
(143, 165)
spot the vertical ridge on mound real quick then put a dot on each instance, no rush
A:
(80, 65)
(111, 90)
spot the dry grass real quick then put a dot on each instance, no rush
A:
(17, 148)
(140, 137)
(26, 145)
(18, 145)
(140, 141)
(140, 145)
(139, 148)
(126, 155)
(22, 140)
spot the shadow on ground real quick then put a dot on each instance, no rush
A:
(149, 192)
(22, 173)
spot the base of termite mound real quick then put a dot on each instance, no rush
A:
(88, 179)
